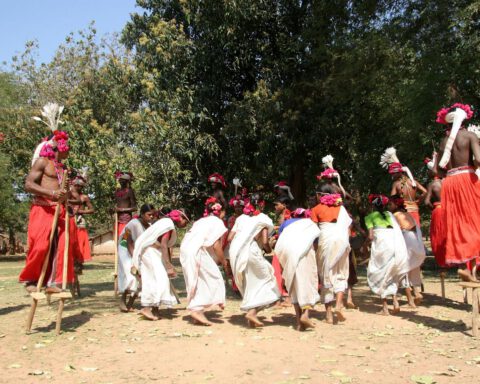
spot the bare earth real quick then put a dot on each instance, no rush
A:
(100, 345)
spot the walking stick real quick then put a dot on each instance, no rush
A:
(64, 294)
(115, 237)
(40, 295)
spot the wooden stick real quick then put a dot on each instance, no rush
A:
(66, 247)
(33, 308)
(115, 241)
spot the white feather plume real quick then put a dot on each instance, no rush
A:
(51, 113)
(389, 157)
(327, 161)
(84, 173)
(475, 129)
(237, 182)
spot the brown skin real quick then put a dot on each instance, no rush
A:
(127, 203)
(434, 190)
(42, 179)
(218, 193)
(146, 219)
(80, 200)
(403, 186)
(464, 149)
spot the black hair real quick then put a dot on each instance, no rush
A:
(326, 188)
(285, 200)
(146, 208)
(379, 207)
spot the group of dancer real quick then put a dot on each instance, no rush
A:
(311, 248)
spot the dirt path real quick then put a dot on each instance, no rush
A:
(101, 345)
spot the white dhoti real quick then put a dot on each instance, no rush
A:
(126, 281)
(294, 250)
(253, 274)
(332, 256)
(203, 279)
(388, 263)
(156, 288)
(416, 257)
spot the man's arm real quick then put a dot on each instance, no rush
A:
(264, 240)
(133, 200)
(422, 190)
(436, 168)
(428, 197)
(475, 149)
(394, 190)
(86, 200)
(34, 177)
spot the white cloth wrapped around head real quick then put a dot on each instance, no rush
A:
(456, 118)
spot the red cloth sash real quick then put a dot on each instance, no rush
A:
(437, 235)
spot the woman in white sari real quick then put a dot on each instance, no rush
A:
(253, 274)
(151, 259)
(200, 247)
(416, 249)
(388, 263)
(127, 283)
(295, 252)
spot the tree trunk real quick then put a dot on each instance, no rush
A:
(297, 179)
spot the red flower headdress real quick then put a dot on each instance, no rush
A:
(329, 173)
(176, 215)
(398, 201)
(51, 113)
(123, 175)
(237, 200)
(250, 210)
(301, 213)
(212, 206)
(217, 178)
(376, 198)
(442, 113)
(284, 187)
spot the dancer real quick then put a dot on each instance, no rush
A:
(125, 200)
(333, 249)
(416, 249)
(388, 262)
(460, 196)
(127, 282)
(218, 186)
(84, 207)
(237, 203)
(200, 252)
(404, 184)
(282, 189)
(437, 225)
(253, 273)
(151, 259)
(44, 181)
(329, 175)
(295, 251)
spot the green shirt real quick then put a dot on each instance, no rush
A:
(378, 220)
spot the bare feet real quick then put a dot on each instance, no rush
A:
(123, 303)
(253, 321)
(31, 288)
(50, 290)
(411, 304)
(305, 323)
(148, 314)
(384, 312)
(286, 302)
(418, 300)
(200, 319)
(329, 318)
(340, 315)
(465, 275)
(351, 305)
(396, 309)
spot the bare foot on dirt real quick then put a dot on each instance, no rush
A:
(200, 319)
(418, 300)
(305, 323)
(351, 305)
(340, 316)
(329, 318)
(253, 321)
(396, 309)
(384, 312)
(148, 314)
(31, 288)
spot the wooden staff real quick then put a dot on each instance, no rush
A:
(115, 241)
(40, 295)
(61, 302)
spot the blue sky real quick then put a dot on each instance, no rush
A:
(50, 21)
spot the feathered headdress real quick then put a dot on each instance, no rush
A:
(330, 172)
(81, 177)
(454, 115)
(284, 187)
(430, 162)
(390, 161)
(51, 113)
(217, 178)
(123, 175)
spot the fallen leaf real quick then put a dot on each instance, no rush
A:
(39, 345)
(423, 379)
(15, 365)
(345, 380)
(129, 351)
(69, 368)
(2, 335)
(89, 369)
(337, 373)
(304, 377)
(36, 373)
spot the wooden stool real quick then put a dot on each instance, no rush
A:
(475, 316)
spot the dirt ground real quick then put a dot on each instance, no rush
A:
(99, 344)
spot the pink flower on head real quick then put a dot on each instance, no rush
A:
(331, 200)
(329, 173)
(442, 113)
(62, 145)
(249, 209)
(47, 151)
